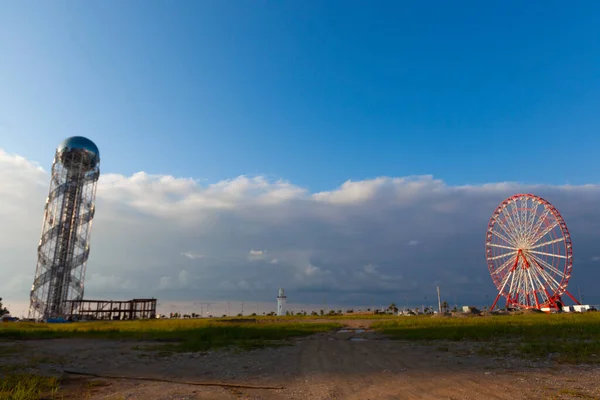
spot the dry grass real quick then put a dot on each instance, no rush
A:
(568, 338)
(28, 387)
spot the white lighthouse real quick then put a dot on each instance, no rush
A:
(281, 302)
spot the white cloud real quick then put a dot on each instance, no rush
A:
(179, 239)
(181, 281)
(257, 254)
(191, 255)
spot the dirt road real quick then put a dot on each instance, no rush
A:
(351, 364)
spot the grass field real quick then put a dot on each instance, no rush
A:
(180, 334)
(571, 338)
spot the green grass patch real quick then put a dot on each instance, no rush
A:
(177, 335)
(28, 387)
(572, 338)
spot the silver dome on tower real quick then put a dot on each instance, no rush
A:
(78, 151)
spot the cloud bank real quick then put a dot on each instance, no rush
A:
(365, 242)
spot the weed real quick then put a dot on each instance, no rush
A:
(27, 387)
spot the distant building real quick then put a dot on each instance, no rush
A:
(281, 302)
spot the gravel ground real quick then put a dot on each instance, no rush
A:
(355, 363)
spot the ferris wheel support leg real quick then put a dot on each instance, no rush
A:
(537, 303)
(551, 300)
(495, 301)
(572, 297)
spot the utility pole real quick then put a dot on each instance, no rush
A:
(208, 308)
(228, 309)
(580, 298)
(439, 301)
(242, 309)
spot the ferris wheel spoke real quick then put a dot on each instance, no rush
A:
(537, 246)
(510, 234)
(539, 278)
(517, 219)
(524, 212)
(511, 273)
(498, 234)
(529, 229)
(546, 265)
(533, 288)
(515, 209)
(546, 254)
(517, 276)
(502, 246)
(511, 223)
(522, 281)
(512, 282)
(541, 285)
(531, 219)
(538, 225)
(522, 215)
(510, 253)
(551, 283)
(547, 277)
(541, 235)
(521, 285)
(507, 263)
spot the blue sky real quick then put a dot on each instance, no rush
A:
(316, 92)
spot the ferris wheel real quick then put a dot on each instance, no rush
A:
(529, 253)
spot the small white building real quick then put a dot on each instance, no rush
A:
(575, 308)
(581, 307)
(281, 302)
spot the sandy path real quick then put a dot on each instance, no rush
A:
(354, 364)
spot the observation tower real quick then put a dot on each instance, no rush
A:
(63, 249)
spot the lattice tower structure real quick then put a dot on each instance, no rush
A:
(64, 248)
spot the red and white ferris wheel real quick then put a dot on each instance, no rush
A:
(529, 253)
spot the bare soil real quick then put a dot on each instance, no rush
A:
(352, 364)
